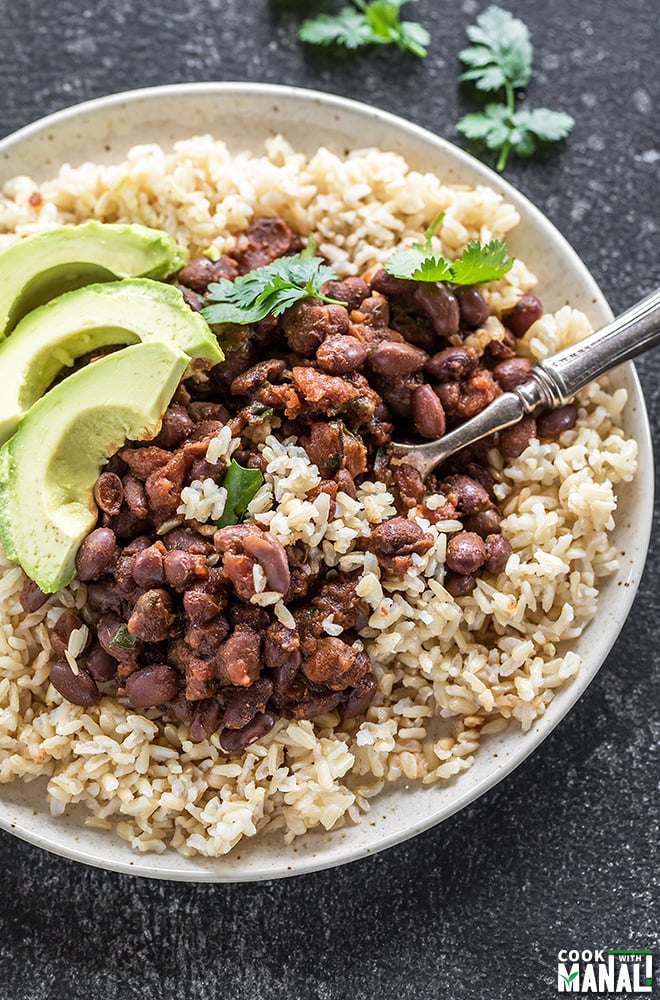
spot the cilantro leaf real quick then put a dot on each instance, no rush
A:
(349, 28)
(123, 639)
(241, 485)
(492, 125)
(414, 37)
(477, 264)
(500, 58)
(419, 259)
(377, 22)
(502, 52)
(418, 265)
(545, 125)
(268, 289)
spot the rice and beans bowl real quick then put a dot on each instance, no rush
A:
(446, 662)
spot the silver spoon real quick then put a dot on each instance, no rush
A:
(552, 382)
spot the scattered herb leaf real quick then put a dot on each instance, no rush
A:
(260, 412)
(478, 262)
(269, 289)
(349, 28)
(500, 58)
(124, 639)
(501, 53)
(367, 23)
(241, 485)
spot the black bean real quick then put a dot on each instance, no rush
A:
(317, 705)
(100, 664)
(346, 483)
(453, 363)
(32, 596)
(186, 540)
(376, 312)
(152, 617)
(176, 426)
(109, 493)
(428, 412)
(270, 370)
(551, 423)
(511, 373)
(481, 474)
(184, 568)
(502, 350)
(96, 553)
(486, 522)
(352, 291)
(201, 271)
(514, 440)
(285, 672)
(135, 497)
(78, 688)
(104, 596)
(271, 556)
(392, 358)
(206, 720)
(237, 739)
(388, 285)
(106, 629)
(341, 355)
(466, 552)
(356, 700)
(459, 585)
(467, 495)
(148, 567)
(473, 306)
(398, 537)
(242, 704)
(192, 299)
(498, 550)
(126, 525)
(439, 306)
(449, 394)
(182, 709)
(152, 685)
(199, 605)
(67, 623)
(398, 398)
(525, 312)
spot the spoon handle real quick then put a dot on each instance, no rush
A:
(631, 333)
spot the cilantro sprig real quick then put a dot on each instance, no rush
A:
(478, 262)
(269, 289)
(367, 23)
(500, 59)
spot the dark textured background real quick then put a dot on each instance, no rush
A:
(564, 852)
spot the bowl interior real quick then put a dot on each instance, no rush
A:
(244, 115)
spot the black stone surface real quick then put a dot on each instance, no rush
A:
(564, 852)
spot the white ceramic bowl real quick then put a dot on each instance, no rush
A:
(244, 115)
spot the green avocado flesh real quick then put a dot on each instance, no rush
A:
(53, 336)
(38, 267)
(49, 467)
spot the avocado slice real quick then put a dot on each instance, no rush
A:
(49, 467)
(38, 267)
(117, 312)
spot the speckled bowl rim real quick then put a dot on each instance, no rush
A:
(23, 810)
